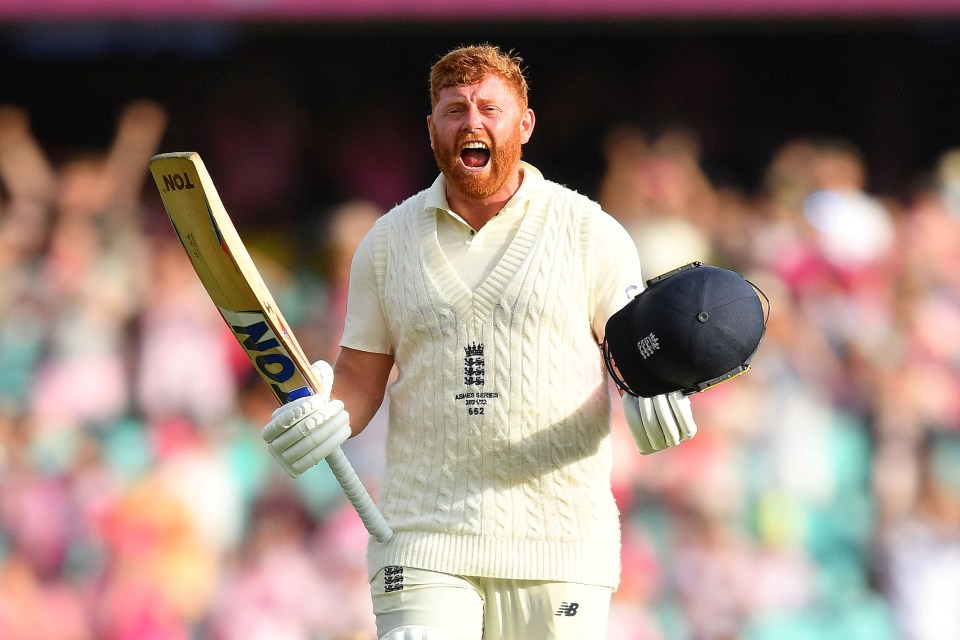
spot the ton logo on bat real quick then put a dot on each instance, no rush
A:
(177, 182)
(266, 352)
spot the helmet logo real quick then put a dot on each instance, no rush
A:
(648, 345)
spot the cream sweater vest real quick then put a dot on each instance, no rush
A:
(498, 449)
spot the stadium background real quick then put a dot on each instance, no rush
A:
(821, 499)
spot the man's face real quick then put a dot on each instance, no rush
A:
(476, 133)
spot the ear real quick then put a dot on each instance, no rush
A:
(526, 126)
(430, 131)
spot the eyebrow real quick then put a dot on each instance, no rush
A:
(481, 101)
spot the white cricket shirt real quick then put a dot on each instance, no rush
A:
(474, 254)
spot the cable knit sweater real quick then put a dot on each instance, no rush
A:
(498, 449)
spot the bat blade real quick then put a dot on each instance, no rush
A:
(235, 286)
(229, 274)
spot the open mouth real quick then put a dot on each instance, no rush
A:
(475, 155)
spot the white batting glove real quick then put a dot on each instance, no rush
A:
(303, 432)
(659, 422)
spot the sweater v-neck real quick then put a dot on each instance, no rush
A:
(479, 302)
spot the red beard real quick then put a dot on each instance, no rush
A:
(503, 159)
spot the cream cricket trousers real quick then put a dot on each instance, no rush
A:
(467, 608)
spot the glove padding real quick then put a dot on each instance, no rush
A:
(303, 432)
(659, 422)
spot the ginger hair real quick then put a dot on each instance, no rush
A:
(469, 65)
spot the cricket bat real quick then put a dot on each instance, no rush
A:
(236, 288)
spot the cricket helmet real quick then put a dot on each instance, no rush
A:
(688, 330)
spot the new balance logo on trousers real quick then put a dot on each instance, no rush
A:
(567, 609)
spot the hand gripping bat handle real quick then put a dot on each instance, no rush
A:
(372, 519)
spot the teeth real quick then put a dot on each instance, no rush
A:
(474, 145)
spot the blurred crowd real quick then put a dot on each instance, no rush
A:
(820, 499)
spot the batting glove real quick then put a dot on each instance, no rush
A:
(303, 432)
(659, 422)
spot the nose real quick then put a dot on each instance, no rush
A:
(473, 121)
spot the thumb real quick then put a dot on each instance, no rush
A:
(324, 373)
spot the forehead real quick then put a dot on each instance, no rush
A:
(491, 88)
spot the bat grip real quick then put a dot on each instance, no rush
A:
(372, 519)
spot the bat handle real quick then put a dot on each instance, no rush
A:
(372, 519)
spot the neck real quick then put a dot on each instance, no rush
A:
(478, 211)
(475, 213)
